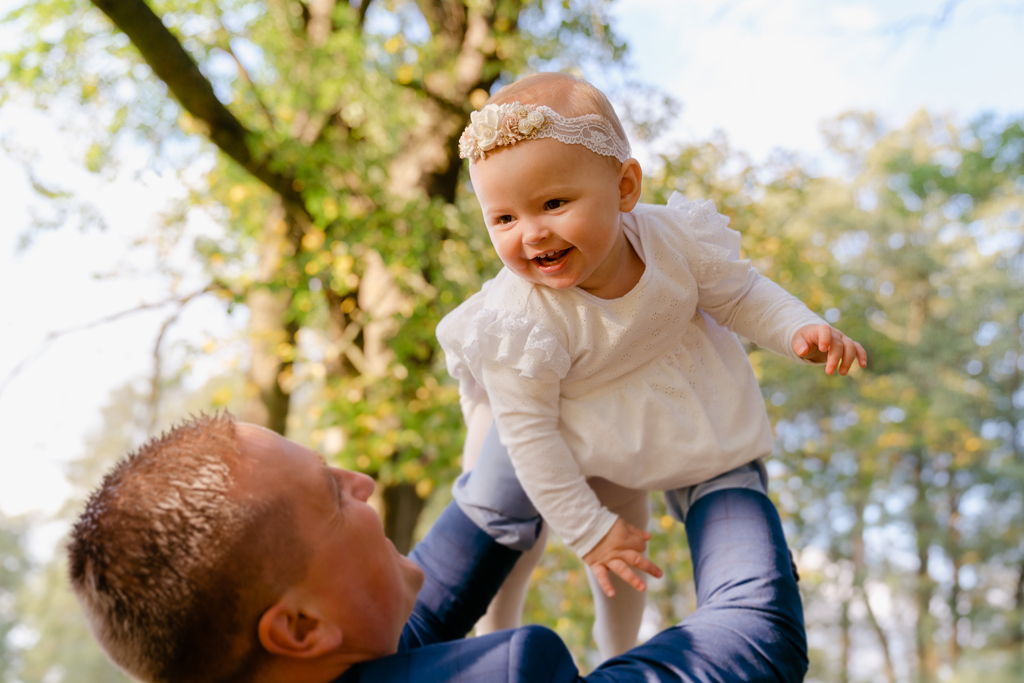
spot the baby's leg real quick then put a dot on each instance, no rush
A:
(617, 620)
(506, 609)
(750, 476)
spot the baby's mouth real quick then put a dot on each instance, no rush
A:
(550, 258)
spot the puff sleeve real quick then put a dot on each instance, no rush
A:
(516, 365)
(730, 290)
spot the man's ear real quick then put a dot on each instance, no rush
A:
(630, 184)
(287, 630)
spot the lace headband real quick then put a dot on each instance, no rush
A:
(497, 125)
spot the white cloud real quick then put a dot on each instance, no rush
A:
(856, 17)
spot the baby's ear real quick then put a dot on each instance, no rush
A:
(630, 184)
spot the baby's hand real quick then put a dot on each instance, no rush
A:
(825, 344)
(622, 547)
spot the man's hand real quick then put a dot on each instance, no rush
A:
(621, 548)
(825, 344)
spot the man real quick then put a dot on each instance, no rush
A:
(223, 552)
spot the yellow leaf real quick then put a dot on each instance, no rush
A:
(478, 98)
(312, 240)
(285, 351)
(330, 208)
(221, 397)
(237, 193)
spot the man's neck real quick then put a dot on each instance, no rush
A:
(292, 670)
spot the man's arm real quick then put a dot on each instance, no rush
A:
(470, 549)
(463, 568)
(749, 620)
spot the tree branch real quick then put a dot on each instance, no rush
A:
(176, 68)
(155, 389)
(244, 72)
(421, 87)
(364, 7)
(54, 336)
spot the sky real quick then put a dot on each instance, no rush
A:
(765, 74)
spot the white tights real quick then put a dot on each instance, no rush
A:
(616, 620)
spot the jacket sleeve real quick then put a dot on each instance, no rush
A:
(748, 625)
(463, 568)
(530, 654)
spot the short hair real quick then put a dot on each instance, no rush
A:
(171, 567)
(568, 95)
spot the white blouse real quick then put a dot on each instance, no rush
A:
(649, 391)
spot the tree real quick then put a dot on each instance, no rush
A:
(906, 478)
(14, 566)
(335, 178)
(906, 475)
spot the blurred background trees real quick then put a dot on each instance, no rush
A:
(320, 138)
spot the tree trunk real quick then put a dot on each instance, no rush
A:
(954, 554)
(1017, 637)
(844, 642)
(860, 582)
(402, 508)
(924, 629)
(271, 334)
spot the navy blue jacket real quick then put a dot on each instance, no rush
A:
(748, 625)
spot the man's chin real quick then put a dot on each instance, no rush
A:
(413, 576)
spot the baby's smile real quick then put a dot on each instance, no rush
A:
(553, 257)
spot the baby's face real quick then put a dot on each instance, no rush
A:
(552, 211)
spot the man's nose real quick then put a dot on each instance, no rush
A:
(361, 485)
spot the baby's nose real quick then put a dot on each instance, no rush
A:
(534, 232)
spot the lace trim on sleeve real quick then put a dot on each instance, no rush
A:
(515, 342)
(720, 244)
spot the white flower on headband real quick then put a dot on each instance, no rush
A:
(483, 126)
(531, 122)
(497, 125)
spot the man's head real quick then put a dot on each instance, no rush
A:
(222, 551)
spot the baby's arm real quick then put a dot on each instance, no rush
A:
(750, 304)
(478, 420)
(621, 548)
(825, 344)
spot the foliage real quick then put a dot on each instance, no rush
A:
(14, 566)
(909, 479)
(346, 231)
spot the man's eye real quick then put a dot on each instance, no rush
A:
(552, 204)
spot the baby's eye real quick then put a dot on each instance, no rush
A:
(503, 219)
(553, 204)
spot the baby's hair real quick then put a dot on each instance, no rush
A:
(169, 563)
(568, 95)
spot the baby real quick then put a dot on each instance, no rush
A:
(604, 349)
